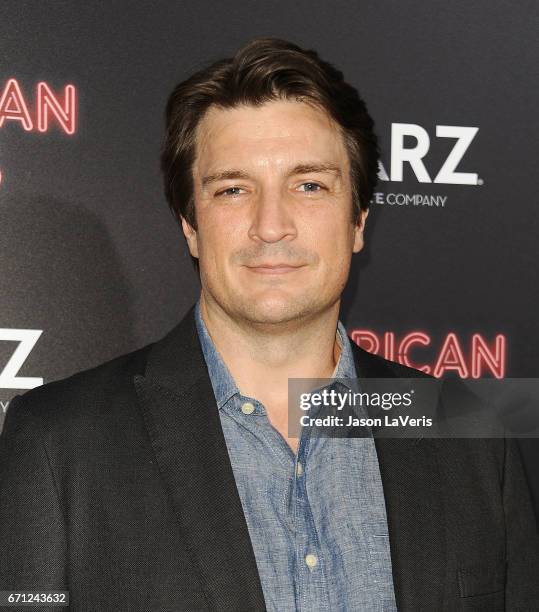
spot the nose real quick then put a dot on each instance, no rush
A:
(273, 218)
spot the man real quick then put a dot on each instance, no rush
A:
(166, 479)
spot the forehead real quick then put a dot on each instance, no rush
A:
(277, 132)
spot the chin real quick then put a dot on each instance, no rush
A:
(276, 310)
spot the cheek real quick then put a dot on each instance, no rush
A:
(334, 240)
(211, 227)
(218, 238)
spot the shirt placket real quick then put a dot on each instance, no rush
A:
(311, 573)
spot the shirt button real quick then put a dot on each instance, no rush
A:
(311, 560)
(299, 469)
(247, 408)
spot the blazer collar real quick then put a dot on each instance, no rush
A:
(183, 423)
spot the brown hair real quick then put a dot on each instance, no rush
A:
(265, 69)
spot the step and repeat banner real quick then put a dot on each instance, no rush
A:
(93, 264)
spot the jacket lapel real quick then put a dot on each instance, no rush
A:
(414, 505)
(183, 423)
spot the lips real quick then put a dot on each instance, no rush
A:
(279, 265)
(274, 268)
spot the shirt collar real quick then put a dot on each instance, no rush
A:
(224, 386)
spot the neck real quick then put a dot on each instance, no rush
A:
(261, 358)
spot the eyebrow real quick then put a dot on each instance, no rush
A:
(298, 169)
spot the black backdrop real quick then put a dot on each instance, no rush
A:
(93, 262)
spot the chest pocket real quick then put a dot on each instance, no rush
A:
(482, 588)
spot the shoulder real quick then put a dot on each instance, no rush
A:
(80, 394)
(455, 398)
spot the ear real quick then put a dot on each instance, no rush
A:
(358, 231)
(191, 237)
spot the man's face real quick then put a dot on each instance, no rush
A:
(272, 186)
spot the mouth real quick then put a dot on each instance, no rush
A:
(274, 269)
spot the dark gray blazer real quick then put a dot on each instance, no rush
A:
(115, 484)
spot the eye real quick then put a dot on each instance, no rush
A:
(312, 187)
(230, 191)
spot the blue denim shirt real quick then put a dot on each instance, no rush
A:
(317, 520)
